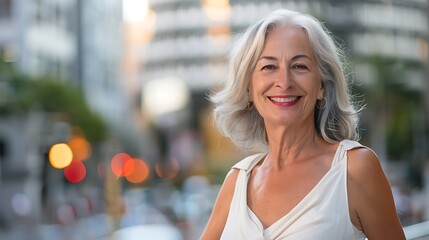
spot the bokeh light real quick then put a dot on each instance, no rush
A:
(134, 11)
(167, 169)
(80, 147)
(21, 205)
(75, 172)
(140, 172)
(65, 214)
(129, 167)
(122, 165)
(164, 95)
(217, 10)
(60, 155)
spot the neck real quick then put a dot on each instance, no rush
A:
(290, 144)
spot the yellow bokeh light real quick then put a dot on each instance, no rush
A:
(60, 155)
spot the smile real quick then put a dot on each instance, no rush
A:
(284, 99)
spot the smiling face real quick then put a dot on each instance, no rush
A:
(286, 83)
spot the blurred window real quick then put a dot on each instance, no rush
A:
(388, 16)
(389, 45)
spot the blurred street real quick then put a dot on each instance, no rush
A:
(140, 220)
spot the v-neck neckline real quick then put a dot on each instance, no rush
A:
(256, 219)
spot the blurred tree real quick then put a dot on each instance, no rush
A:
(21, 93)
(393, 109)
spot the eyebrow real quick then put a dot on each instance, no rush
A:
(272, 58)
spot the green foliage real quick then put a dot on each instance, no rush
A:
(21, 93)
(400, 102)
(391, 98)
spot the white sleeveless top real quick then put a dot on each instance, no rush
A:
(322, 214)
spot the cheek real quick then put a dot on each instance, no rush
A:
(260, 83)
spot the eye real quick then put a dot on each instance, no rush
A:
(269, 67)
(300, 67)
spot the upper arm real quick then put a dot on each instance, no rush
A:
(370, 197)
(220, 211)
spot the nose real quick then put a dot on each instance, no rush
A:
(284, 79)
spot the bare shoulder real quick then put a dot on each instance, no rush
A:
(365, 173)
(217, 220)
(363, 162)
(227, 190)
(229, 182)
(371, 203)
(231, 176)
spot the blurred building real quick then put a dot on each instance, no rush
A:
(70, 40)
(193, 36)
(76, 41)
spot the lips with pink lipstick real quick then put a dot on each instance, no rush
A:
(284, 100)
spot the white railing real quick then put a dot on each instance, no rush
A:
(417, 231)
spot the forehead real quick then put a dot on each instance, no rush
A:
(290, 38)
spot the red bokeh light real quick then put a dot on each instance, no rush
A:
(75, 172)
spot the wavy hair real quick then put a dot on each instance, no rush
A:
(335, 121)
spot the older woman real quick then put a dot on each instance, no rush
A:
(287, 96)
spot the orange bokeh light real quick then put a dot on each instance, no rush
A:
(60, 155)
(75, 172)
(140, 173)
(129, 167)
(167, 169)
(80, 147)
(121, 165)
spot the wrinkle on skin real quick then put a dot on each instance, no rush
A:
(290, 130)
(287, 145)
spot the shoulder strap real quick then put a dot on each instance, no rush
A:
(349, 144)
(249, 162)
(343, 147)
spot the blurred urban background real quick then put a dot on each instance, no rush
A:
(105, 128)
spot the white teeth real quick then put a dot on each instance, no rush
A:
(284, 100)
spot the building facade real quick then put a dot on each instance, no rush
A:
(192, 37)
(74, 41)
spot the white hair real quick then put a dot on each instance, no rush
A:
(336, 121)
